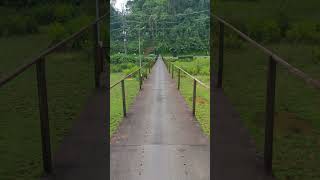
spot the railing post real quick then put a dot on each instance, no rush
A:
(269, 124)
(194, 97)
(169, 67)
(123, 99)
(140, 79)
(179, 79)
(147, 74)
(172, 70)
(102, 58)
(44, 117)
(108, 117)
(97, 55)
(221, 54)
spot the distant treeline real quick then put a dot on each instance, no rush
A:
(170, 26)
(56, 18)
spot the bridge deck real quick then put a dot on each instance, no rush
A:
(159, 140)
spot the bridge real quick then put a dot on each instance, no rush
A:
(159, 137)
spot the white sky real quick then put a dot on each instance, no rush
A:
(119, 4)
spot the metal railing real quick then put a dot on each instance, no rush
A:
(147, 67)
(271, 83)
(40, 62)
(171, 68)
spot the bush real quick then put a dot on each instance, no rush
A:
(63, 12)
(131, 70)
(121, 67)
(233, 41)
(56, 32)
(75, 25)
(123, 58)
(304, 32)
(266, 31)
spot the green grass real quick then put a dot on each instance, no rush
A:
(132, 89)
(203, 94)
(297, 125)
(16, 50)
(70, 81)
(69, 78)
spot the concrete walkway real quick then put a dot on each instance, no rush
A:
(160, 139)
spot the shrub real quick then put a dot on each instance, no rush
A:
(123, 58)
(131, 70)
(304, 32)
(233, 41)
(56, 32)
(265, 31)
(121, 67)
(63, 12)
(75, 25)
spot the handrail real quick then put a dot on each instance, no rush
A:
(295, 71)
(46, 52)
(170, 67)
(274, 59)
(124, 78)
(40, 61)
(122, 81)
(192, 77)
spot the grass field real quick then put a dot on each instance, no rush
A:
(70, 82)
(297, 127)
(132, 89)
(203, 94)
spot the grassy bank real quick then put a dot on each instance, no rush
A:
(132, 89)
(297, 127)
(288, 28)
(70, 82)
(199, 67)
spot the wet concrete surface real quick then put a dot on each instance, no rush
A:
(159, 139)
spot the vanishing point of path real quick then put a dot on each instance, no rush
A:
(160, 139)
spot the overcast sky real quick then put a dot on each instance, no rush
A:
(119, 4)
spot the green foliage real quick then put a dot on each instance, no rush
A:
(118, 68)
(57, 32)
(74, 26)
(233, 41)
(131, 59)
(165, 31)
(63, 12)
(198, 66)
(123, 58)
(304, 32)
(316, 54)
(264, 31)
(131, 70)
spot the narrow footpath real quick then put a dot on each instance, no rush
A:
(160, 139)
